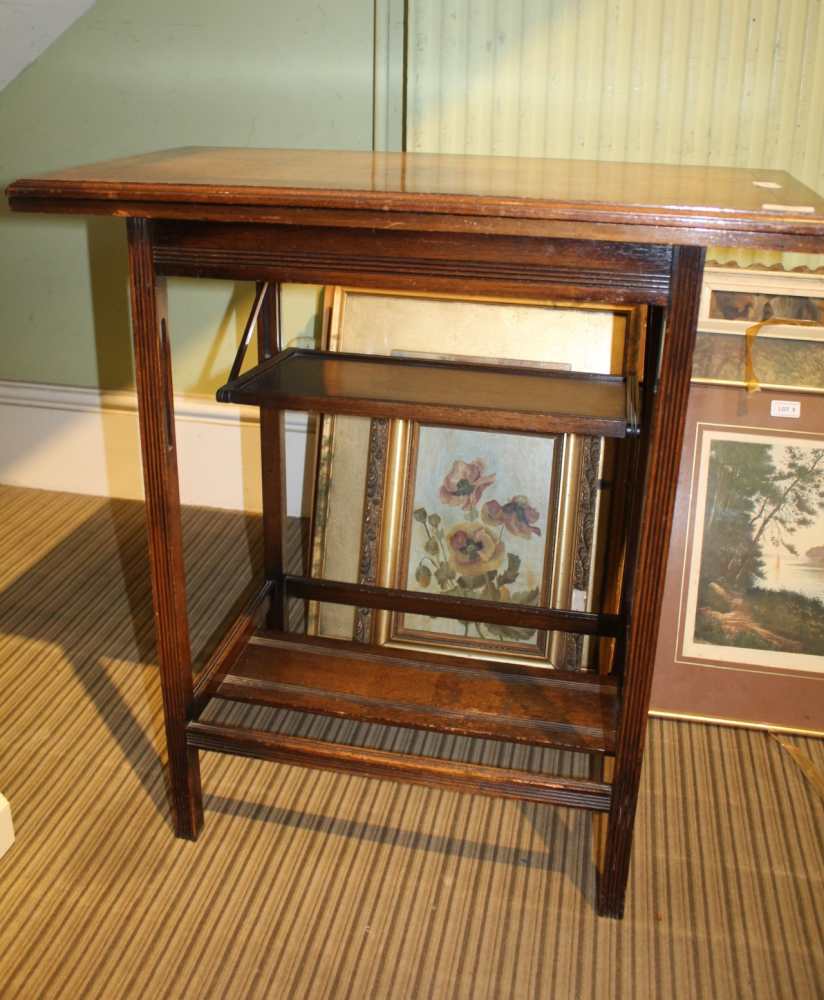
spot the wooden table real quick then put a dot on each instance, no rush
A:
(572, 231)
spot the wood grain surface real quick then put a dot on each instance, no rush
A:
(459, 696)
(582, 191)
(153, 372)
(499, 782)
(495, 397)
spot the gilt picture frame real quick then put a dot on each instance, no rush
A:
(361, 463)
(500, 526)
(784, 356)
(742, 626)
(733, 300)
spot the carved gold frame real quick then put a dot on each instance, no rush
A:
(394, 541)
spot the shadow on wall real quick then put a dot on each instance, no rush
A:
(85, 440)
(109, 271)
(108, 266)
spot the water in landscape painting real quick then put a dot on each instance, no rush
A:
(805, 577)
(761, 578)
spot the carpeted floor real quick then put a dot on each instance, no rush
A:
(309, 884)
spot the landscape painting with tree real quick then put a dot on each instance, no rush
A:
(756, 587)
(480, 523)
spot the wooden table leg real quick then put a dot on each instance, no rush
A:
(157, 436)
(666, 433)
(273, 467)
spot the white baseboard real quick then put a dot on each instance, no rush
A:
(87, 441)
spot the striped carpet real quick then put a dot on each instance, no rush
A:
(309, 884)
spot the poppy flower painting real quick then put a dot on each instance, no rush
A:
(481, 524)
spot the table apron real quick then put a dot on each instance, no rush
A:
(513, 266)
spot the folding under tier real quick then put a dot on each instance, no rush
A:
(495, 397)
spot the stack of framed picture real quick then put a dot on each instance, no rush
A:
(742, 628)
(525, 518)
(464, 512)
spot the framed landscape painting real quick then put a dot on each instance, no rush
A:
(742, 629)
(732, 300)
(783, 356)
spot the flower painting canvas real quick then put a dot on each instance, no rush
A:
(480, 523)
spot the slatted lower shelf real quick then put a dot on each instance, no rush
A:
(454, 775)
(445, 694)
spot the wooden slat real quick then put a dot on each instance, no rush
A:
(462, 696)
(231, 646)
(485, 396)
(587, 679)
(464, 609)
(273, 465)
(430, 771)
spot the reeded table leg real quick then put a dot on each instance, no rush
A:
(666, 434)
(157, 437)
(273, 467)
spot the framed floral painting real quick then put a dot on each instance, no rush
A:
(363, 467)
(480, 516)
(742, 626)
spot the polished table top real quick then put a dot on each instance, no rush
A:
(753, 207)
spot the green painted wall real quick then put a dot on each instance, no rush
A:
(738, 84)
(129, 77)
